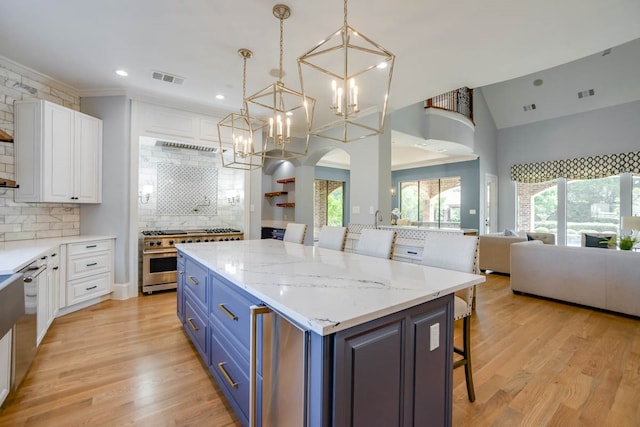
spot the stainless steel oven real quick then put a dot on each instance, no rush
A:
(159, 270)
(159, 255)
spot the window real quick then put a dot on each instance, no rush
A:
(635, 195)
(590, 206)
(538, 207)
(434, 202)
(593, 206)
(328, 204)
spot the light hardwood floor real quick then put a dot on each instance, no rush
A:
(535, 363)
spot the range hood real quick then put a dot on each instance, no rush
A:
(187, 145)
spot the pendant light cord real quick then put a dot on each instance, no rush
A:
(281, 46)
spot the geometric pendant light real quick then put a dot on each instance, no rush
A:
(350, 77)
(240, 134)
(288, 113)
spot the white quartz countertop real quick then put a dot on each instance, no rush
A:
(18, 254)
(323, 290)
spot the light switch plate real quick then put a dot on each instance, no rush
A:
(434, 339)
(472, 211)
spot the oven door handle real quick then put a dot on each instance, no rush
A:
(160, 251)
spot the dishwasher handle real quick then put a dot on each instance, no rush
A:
(33, 273)
(255, 311)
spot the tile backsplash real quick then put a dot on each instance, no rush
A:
(204, 195)
(22, 221)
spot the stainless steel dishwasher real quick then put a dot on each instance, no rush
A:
(25, 330)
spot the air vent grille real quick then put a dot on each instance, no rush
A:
(166, 77)
(529, 107)
(585, 93)
(185, 145)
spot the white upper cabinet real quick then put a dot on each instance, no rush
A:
(58, 154)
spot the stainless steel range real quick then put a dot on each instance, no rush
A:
(159, 255)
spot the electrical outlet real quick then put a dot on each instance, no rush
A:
(372, 210)
(434, 339)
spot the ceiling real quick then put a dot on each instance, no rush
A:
(439, 46)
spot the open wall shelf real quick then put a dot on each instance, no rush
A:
(286, 180)
(276, 193)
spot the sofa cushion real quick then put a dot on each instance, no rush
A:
(591, 241)
(508, 232)
(546, 238)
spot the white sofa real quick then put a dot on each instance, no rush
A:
(601, 278)
(495, 249)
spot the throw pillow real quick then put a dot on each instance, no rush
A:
(591, 241)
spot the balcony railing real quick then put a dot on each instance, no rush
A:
(459, 101)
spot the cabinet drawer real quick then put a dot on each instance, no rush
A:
(231, 308)
(196, 325)
(89, 247)
(412, 252)
(84, 289)
(83, 266)
(195, 279)
(231, 371)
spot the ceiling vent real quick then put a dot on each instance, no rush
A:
(187, 146)
(585, 93)
(166, 77)
(606, 52)
(529, 107)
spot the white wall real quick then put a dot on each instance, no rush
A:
(605, 131)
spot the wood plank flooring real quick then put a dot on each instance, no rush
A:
(535, 363)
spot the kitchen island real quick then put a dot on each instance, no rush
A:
(376, 334)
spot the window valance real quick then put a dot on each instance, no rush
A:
(580, 168)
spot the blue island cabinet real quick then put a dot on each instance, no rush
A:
(392, 371)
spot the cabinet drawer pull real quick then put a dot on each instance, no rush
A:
(193, 325)
(91, 287)
(226, 311)
(412, 252)
(92, 264)
(55, 268)
(193, 281)
(230, 380)
(91, 246)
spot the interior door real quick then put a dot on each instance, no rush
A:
(491, 204)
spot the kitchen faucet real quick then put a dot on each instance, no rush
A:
(377, 218)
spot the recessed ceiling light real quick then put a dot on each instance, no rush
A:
(121, 73)
(219, 96)
(537, 82)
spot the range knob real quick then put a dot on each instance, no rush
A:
(189, 241)
(184, 241)
(152, 243)
(206, 240)
(159, 243)
(197, 240)
(171, 242)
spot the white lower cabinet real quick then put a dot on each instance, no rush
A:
(48, 292)
(5, 365)
(89, 270)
